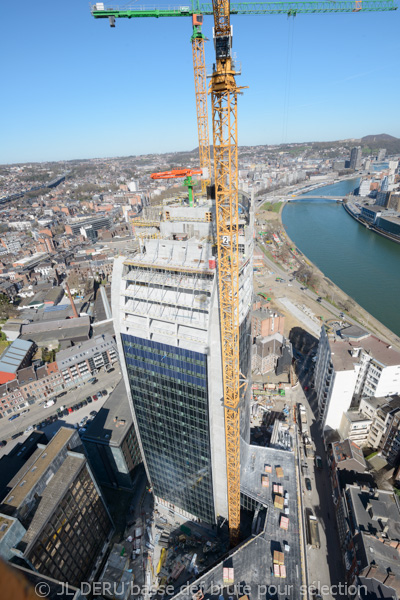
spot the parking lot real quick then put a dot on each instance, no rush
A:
(45, 418)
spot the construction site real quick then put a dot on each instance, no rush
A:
(227, 513)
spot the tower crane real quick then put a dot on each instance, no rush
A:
(224, 93)
(196, 11)
(178, 173)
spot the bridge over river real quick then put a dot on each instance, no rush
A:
(305, 197)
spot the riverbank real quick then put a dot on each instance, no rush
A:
(339, 299)
(371, 227)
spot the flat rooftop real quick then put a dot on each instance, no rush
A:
(252, 561)
(41, 459)
(113, 420)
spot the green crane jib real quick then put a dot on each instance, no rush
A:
(100, 11)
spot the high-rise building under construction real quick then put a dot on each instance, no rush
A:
(167, 322)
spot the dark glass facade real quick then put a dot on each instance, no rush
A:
(170, 397)
(69, 545)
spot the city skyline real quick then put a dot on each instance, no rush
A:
(76, 89)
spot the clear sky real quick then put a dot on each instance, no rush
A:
(72, 87)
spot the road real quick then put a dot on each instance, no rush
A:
(324, 564)
(38, 413)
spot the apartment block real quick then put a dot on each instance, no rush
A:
(352, 364)
(265, 322)
(83, 360)
(355, 426)
(384, 434)
(55, 514)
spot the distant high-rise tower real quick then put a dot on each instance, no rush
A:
(355, 158)
(381, 154)
(166, 318)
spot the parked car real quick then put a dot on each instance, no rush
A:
(65, 412)
(3, 443)
(82, 430)
(318, 462)
(93, 380)
(13, 417)
(28, 429)
(104, 392)
(84, 402)
(308, 484)
(70, 409)
(13, 437)
(93, 413)
(89, 399)
(99, 394)
(25, 411)
(95, 397)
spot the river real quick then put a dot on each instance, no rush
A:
(363, 264)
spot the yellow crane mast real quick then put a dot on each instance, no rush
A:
(224, 117)
(200, 87)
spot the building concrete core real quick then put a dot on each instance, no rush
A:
(166, 313)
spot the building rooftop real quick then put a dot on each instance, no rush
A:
(52, 495)
(252, 562)
(349, 456)
(84, 350)
(353, 332)
(12, 356)
(379, 350)
(376, 512)
(41, 459)
(113, 420)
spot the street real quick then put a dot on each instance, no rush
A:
(324, 564)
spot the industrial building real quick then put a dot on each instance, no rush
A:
(167, 324)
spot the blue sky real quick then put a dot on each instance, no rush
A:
(75, 88)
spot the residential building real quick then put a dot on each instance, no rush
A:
(347, 455)
(84, 360)
(355, 158)
(265, 322)
(355, 426)
(372, 520)
(352, 365)
(269, 351)
(11, 398)
(111, 443)
(166, 317)
(365, 187)
(64, 525)
(384, 434)
(15, 357)
(381, 154)
(40, 383)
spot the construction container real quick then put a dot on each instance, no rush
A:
(265, 481)
(284, 524)
(282, 570)
(267, 469)
(280, 490)
(278, 502)
(277, 571)
(279, 472)
(279, 557)
(275, 488)
(212, 262)
(228, 576)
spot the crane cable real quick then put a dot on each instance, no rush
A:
(288, 79)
